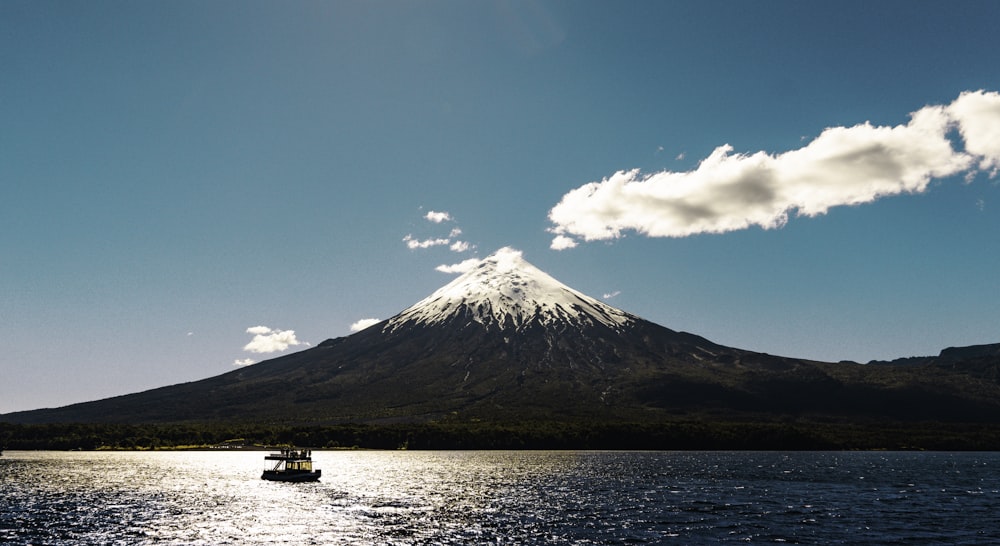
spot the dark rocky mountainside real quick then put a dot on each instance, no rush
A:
(507, 342)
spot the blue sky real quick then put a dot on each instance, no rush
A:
(184, 183)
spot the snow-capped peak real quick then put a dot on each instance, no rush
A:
(505, 290)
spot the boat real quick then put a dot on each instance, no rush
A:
(290, 465)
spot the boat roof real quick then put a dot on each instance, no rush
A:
(290, 455)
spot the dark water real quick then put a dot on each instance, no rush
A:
(503, 498)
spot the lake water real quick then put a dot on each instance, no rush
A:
(495, 497)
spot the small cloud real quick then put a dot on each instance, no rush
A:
(981, 204)
(461, 267)
(659, 150)
(267, 340)
(413, 244)
(437, 217)
(680, 156)
(610, 295)
(364, 323)
(562, 242)
(244, 362)
(190, 334)
(452, 241)
(460, 246)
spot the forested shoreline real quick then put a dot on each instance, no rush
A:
(679, 435)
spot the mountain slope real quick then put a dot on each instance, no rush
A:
(505, 341)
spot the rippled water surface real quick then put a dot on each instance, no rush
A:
(472, 497)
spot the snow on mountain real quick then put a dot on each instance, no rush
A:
(505, 290)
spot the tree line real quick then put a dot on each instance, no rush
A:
(678, 435)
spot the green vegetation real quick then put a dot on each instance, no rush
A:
(673, 435)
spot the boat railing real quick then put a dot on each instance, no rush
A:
(291, 454)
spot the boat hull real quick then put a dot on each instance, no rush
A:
(282, 476)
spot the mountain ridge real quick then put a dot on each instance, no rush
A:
(507, 342)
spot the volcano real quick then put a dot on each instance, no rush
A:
(507, 342)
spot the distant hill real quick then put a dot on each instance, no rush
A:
(506, 342)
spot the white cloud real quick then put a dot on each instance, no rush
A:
(451, 241)
(610, 295)
(244, 362)
(460, 246)
(978, 117)
(266, 340)
(842, 166)
(364, 323)
(507, 258)
(461, 267)
(562, 242)
(437, 217)
(413, 244)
